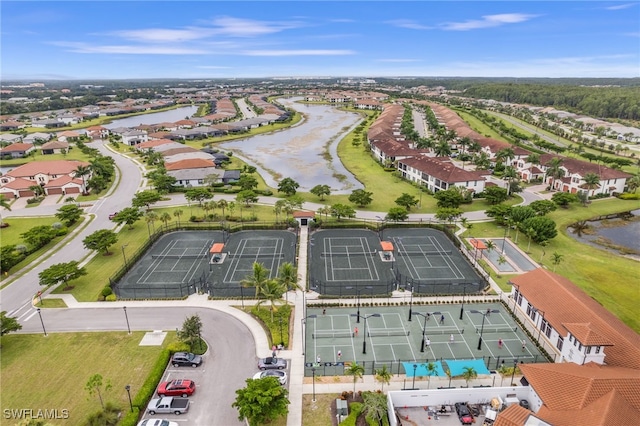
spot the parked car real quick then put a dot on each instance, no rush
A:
(167, 405)
(157, 422)
(272, 363)
(463, 413)
(178, 387)
(112, 215)
(186, 359)
(278, 374)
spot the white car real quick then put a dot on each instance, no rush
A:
(157, 422)
(278, 374)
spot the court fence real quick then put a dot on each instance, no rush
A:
(396, 367)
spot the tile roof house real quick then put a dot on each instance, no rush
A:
(438, 174)
(10, 138)
(192, 163)
(54, 147)
(17, 150)
(576, 327)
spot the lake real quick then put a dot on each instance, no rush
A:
(619, 232)
(170, 116)
(298, 152)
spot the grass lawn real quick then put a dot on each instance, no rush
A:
(603, 275)
(317, 413)
(18, 226)
(73, 154)
(56, 381)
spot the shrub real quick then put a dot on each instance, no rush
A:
(131, 419)
(355, 410)
(110, 298)
(149, 387)
(629, 196)
(106, 291)
(174, 347)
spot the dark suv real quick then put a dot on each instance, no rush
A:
(186, 359)
(463, 413)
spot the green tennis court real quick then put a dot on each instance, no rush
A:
(385, 336)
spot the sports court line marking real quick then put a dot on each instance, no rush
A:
(357, 245)
(418, 244)
(275, 248)
(155, 266)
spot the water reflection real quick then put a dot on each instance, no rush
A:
(300, 152)
(170, 116)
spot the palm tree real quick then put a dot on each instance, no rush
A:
(222, 204)
(579, 227)
(383, 375)
(177, 213)
(505, 155)
(431, 370)
(4, 203)
(509, 173)
(554, 170)
(443, 149)
(258, 279)
(356, 371)
(468, 374)
(633, 183)
(288, 277)
(82, 172)
(591, 182)
(374, 406)
(556, 258)
(271, 292)
(150, 217)
(165, 217)
(490, 245)
(503, 370)
(37, 190)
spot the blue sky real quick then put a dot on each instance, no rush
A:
(207, 39)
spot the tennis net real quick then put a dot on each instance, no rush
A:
(258, 255)
(177, 256)
(385, 332)
(375, 252)
(497, 329)
(444, 330)
(332, 334)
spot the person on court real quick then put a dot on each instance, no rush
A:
(339, 355)
(428, 343)
(499, 343)
(451, 339)
(442, 319)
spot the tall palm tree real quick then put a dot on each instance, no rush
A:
(490, 245)
(257, 279)
(591, 182)
(271, 292)
(468, 374)
(4, 203)
(82, 172)
(431, 370)
(150, 217)
(505, 156)
(288, 277)
(579, 227)
(37, 190)
(511, 174)
(177, 213)
(355, 370)
(443, 149)
(554, 170)
(222, 204)
(633, 183)
(165, 217)
(383, 375)
(556, 258)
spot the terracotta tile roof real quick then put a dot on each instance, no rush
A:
(514, 415)
(55, 145)
(63, 180)
(69, 134)
(17, 147)
(301, 213)
(193, 163)
(579, 167)
(55, 167)
(153, 143)
(179, 150)
(586, 335)
(19, 183)
(443, 170)
(568, 389)
(565, 303)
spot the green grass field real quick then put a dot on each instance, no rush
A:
(57, 380)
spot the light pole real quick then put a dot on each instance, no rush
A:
(506, 228)
(410, 302)
(484, 315)
(464, 294)
(242, 296)
(513, 373)
(281, 335)
(313, 371)
(358, 294)
(123, 255)
(42, 322)
(424, 327)
(415, 367)
(304, 321)
(124, 308)
(365, 318)
(128, 389)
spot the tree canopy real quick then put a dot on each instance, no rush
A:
(261, 401)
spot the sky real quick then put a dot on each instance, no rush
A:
(259, 39)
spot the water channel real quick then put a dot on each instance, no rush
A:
(169, 116)
(300, 152)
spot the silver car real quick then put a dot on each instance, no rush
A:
(272, 363)
(278, 374)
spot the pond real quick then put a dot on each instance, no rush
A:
(619, 235)
(306, 153)
(170, 116)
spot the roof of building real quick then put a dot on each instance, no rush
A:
(596, 394)
(580, 167)
(446, 171)
(191, 163)
(54, 167)
(514, 415)
(17, 147)
(564, 305)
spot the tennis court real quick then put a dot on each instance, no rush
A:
(435, 333)
(347, 261)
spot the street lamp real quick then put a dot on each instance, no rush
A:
(365, 318)
(242, 296)
(304, 321)
(410, 302)
(358, 294)
(42, 322)
(281, 335)
(124, 308)
(506, 228)
(415, 367)
(464, 294)
(513, 373)
(313, 370)
(484, 315)
(424, 327)
(128, 389)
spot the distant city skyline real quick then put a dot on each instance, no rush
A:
(242, 39)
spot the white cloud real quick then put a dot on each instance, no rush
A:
(163, 35)
(128, 49)
(299, 52)
(407, 23)
(487, 21)
(621, 6)
(236, 27)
